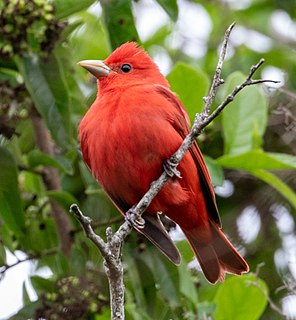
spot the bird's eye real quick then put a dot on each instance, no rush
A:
(126, 68)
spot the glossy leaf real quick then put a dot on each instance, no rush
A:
(42, 236)
(191, 85)
(246, 114)
(119, 21)
(134, 271)
(28, 311)
(258, 159)
(64, 198)
(277, 184)
(185, 251)
(38, 158)
(67, 8)
(26, 297)
(47, 88)
(32, 183)
(215, 170)
(186, 283)
(42, 285)
(83, 44)
(166, 278)
(237, 298)
(10, 201)
(2, 255)
(171, 8)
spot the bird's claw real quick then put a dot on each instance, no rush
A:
(138, 223)
(171, 169)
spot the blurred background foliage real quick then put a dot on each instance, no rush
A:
(250, 151)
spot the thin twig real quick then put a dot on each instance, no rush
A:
(30, 257)
(257, 284)
(111, 251)
(99, 224)
(217, 81)
(89, 232)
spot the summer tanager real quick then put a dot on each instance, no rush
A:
(135, 124)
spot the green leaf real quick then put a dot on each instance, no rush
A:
(165, 275)
(64, 198)
(258, 159)
(46, 85)
(58, 264)
(2, 253)
(66, 8)
(237, 298)
(78, 259)
(159, 37)
(11, 75)
(42, 235)
(135, 279)
(244, 116)
(133, 311)
(26, 297)
(38, 158)
(170, 7)
(257, 162)
(10, 201)
(119, 21)
(82, 40)
(71, 93)
(191, 85)
(32, 183)
(28, 311)
(215, 169)
(277, 184)
(8, 238)
(185, 251)
(206, 310)
(42, 285)
(186, 284)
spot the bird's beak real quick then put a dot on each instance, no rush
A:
(96, 67)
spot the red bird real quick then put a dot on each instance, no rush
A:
(135, 124)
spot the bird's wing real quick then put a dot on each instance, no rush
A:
(181, 123)
(153, 230)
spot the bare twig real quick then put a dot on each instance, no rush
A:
(217, 81)
(99, 224)
(258, 285)
(30, 257)
(111, 250)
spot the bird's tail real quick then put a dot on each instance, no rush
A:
(217, 256)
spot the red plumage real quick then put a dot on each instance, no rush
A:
(134, 125)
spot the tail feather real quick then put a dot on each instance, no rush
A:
(232, 261)
(216, 257)
(156, 233)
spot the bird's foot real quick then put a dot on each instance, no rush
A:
(171, 169)
(131, 219)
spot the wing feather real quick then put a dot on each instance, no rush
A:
(181, 123)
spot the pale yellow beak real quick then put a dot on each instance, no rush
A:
(96, 67)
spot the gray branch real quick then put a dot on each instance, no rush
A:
(111, 250)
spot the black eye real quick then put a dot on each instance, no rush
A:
(126, 68)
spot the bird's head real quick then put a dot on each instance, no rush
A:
(128, 64)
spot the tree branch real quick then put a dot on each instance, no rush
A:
(30, 257)
(51, 180)
(257, 284)
(111, 250)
